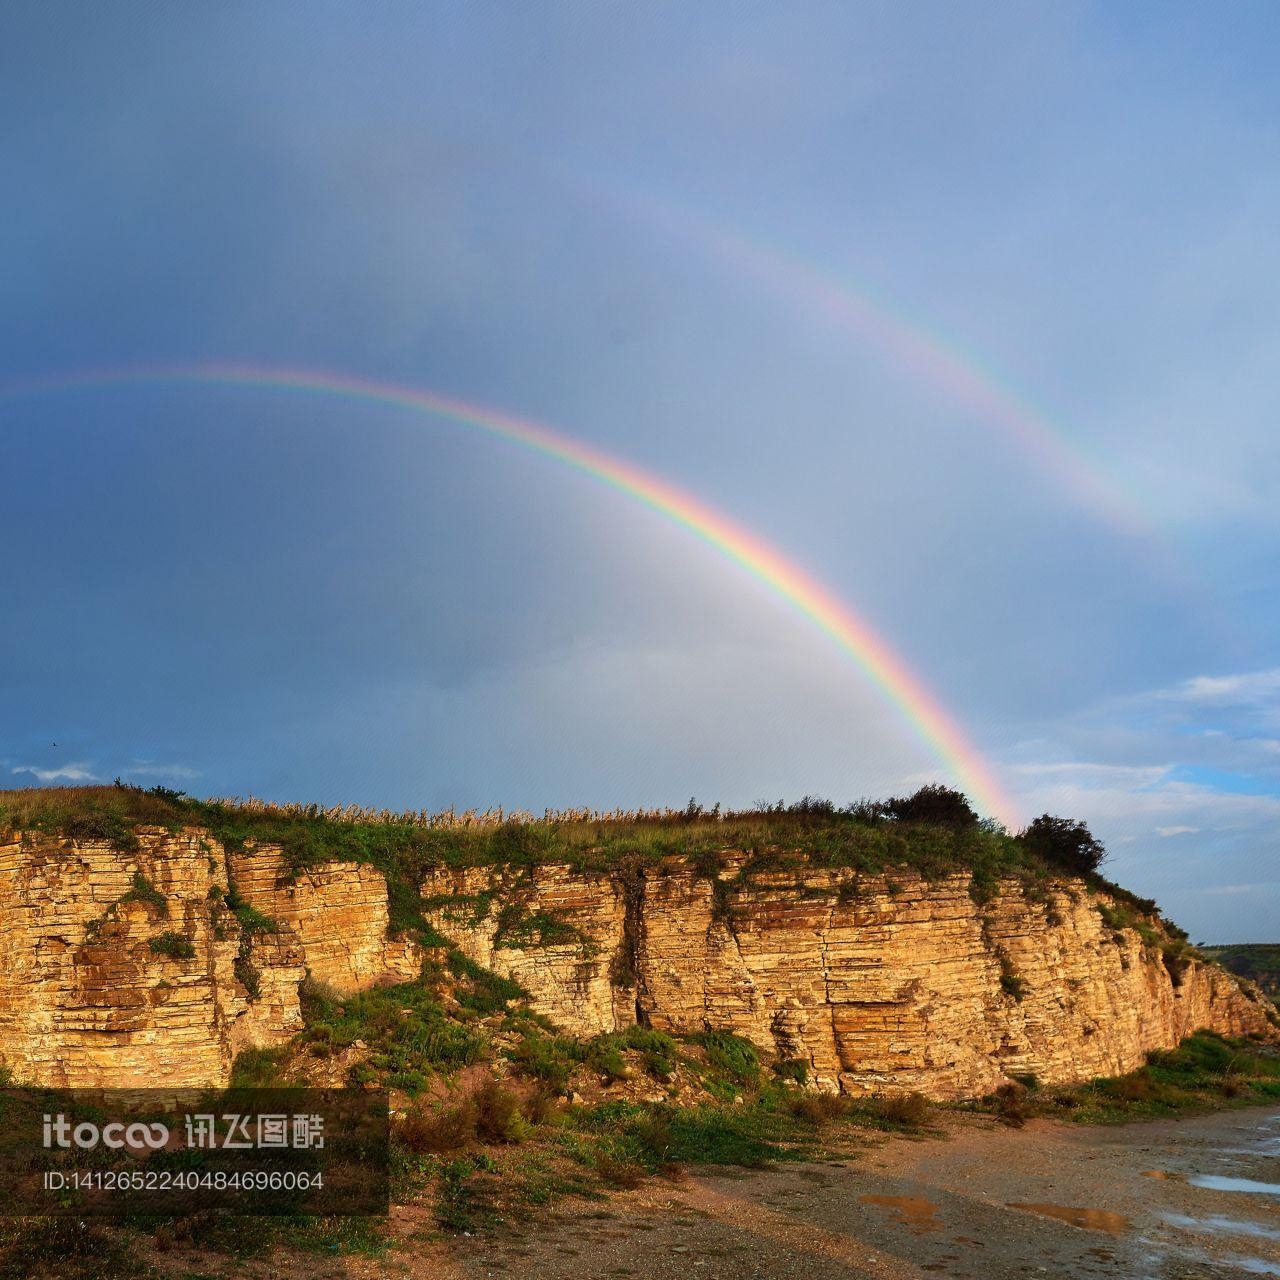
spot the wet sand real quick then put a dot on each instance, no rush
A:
(979, 1201)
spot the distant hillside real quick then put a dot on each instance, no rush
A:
(1257, 960)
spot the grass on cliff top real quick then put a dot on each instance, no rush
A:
(914, 834)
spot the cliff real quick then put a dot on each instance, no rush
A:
(155, 956)
(127, 968)
(874, 982)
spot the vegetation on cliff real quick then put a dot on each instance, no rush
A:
(934, 832)
(1257, 961)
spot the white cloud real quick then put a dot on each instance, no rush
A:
(1092, 773)
(1233, 890)
(1166, 832)
(145, 769)
(78, 772)
(1239, 689)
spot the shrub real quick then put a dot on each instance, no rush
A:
(731, 1055)
(620, 1172)
(796, 1069)
(257, 1069)
(910, 1110)
(540, 1106)
(142, 890)
(550, 1059)
(102, 824)
(1012, 985)
(1177, 961)
(436, 1128)
(1064, 842)
(816, 1108)
(933, 804)
(659, 1052)
(247, 975)
(251, 919)
(1009, 1102)
(405, 1026)
(498, 1113)
(176, 946)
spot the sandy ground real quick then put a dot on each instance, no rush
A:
(941, 1207)
(976, 1200)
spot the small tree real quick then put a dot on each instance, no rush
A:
(933, 804)
(1066, 842)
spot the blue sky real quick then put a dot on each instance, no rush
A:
(242, 591)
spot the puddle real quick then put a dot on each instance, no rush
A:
(1223, 1226)
(1216, 1182)
(912, 1211)
(1093, 1219)
(1255, 1266)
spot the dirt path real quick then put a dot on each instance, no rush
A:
(1112, 1202)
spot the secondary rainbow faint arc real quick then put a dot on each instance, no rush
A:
(937, 361)
(896, 681)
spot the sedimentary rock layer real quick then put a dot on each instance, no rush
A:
(86, 1000)
(337, 910)
(126, 968)
(873, 982)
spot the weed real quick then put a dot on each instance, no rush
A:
(177, 946)
(731, 1055)
(818, 1108)
(142, 890)
(796, 1069)
(905, 1110)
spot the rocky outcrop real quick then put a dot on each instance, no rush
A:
(121, 966)
(561, 934)
(874, 982)
(337, 911)
(127, 969)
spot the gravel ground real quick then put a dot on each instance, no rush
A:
(973, 1200)
(979, 1201)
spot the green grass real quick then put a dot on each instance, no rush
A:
(142, 890)
(1205, 1071)
(177, 946)
(259, 1069)
(408, 1034)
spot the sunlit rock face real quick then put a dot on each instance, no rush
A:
(338, 912)
(874, 982)
(86, 1000)
(105, 985)
(127, 969)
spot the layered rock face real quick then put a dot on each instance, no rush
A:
(338, 911)
(127, 968)
(878, 982)
(86, 1000)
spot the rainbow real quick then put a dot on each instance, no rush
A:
(888, 673)
(935, 360)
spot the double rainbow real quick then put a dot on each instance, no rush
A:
(901, 687)
(929, 357)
